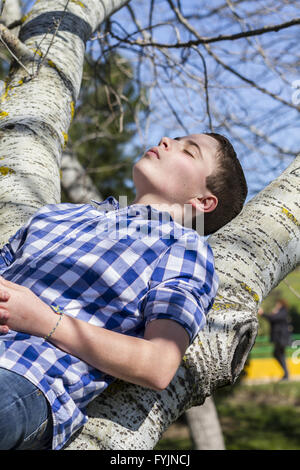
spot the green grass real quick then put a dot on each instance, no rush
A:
(174, 444)
(260, 427)
(260, 417)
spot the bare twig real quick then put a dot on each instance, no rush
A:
(205, 87)
(203, 40)
(57, 26)
(292, 289)
(249, 81)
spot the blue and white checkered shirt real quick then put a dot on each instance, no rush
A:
(118, 268)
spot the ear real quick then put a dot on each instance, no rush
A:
(204, 203)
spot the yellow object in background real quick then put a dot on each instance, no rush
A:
(268, 368)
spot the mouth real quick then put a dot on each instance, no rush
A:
(153, 151)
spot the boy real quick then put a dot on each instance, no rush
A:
(87, 295)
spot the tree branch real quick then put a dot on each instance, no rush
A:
(203, 40)
(16, 48)
(292, 289)
(249, 81)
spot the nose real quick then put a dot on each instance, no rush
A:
(165, 143)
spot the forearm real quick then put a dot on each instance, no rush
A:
(134, 360)
(150, 361)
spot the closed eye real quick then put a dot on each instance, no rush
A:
(189, 153)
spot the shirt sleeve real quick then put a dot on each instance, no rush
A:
(183, 285)
(8, 251)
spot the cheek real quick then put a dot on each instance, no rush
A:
(186, 175)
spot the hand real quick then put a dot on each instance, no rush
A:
(260, 311)
(21, 310)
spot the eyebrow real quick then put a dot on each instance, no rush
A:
(191, 142)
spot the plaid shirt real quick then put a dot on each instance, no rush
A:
(118, 268)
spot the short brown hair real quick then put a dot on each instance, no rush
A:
(228, 184)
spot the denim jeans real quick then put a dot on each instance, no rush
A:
(25, 416)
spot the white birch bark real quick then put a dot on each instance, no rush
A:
(75, 182)
(204, 426)
(253, 254)
(12, 12)
(36, 108)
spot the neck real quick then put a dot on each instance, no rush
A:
(149, 199)
(175, 209)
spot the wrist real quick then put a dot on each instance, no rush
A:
(48, 321)
(59, 312)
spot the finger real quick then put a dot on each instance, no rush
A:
(4, 316)
(4, 295)
(4, 329)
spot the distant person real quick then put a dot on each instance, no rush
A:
(280, 333)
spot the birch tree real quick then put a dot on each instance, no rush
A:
(76, 183)
(253, 252)
(204, 426)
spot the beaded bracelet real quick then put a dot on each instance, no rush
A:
(59, 312)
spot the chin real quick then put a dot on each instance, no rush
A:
(140, 177)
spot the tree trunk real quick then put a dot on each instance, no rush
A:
(38, 103)
(253, 252)
(204, 426)
(77, 185)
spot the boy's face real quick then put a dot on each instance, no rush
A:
(175, 171)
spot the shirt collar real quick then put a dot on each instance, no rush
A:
(108, 204)
(142, 210)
